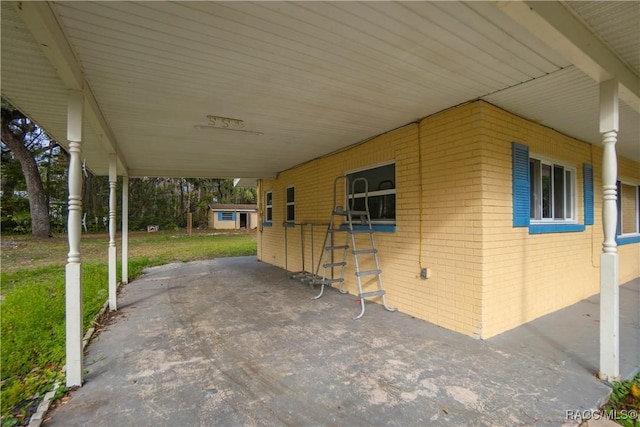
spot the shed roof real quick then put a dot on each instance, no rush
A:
(232, 207)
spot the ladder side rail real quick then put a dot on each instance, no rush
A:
(351, 195)
(352, 201)
(383, 293)
(343, 265)
(335, 212)
(329, 264)
(336, 181)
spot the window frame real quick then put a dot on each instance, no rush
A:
(290, 205)
(268, 208)
(521, 196)
(623, 237)
(226, 216)
(378, 223)
(553, 164)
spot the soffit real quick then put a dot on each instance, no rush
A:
(568, 101)
(306, 78)
(29, 81)
(617, 24)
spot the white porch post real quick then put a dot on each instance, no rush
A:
(609, 270)
(125, 229)
(73, 271)
(112, 233)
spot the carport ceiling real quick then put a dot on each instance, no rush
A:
(299, 79)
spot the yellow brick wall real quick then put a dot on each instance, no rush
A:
(454, 216)
(527, 276)
(448, 187)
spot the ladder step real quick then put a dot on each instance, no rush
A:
(371, 294)
(337, 248)
(368, 272)
(365, 251)
(334, 264)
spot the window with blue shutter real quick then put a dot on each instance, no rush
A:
(226, 216)
(544, 194)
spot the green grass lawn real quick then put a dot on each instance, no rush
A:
(32, 309)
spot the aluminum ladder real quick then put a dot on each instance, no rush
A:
(351, 222)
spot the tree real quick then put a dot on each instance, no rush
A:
(20, 134)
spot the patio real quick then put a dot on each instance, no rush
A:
(234, 342)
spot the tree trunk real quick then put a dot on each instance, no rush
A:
(40, 225)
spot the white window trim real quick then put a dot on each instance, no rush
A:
(637, 209)
(268, 207)
(573, 170)
(288, 203)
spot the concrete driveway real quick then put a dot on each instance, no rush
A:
(231, 342)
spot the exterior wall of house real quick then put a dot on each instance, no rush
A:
(454, 216)
(218, 223)
(437, 213)
(529, 275)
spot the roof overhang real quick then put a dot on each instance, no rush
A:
(249, 89)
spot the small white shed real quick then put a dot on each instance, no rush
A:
(233, 216)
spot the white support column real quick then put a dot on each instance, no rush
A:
(73, 271)
(113, 280)
(125, 229)
(609, 268)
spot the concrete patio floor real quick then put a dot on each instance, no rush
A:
(232, 341)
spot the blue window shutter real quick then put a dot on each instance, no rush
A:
(587, 184)
(521, 208)
(220, 216)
